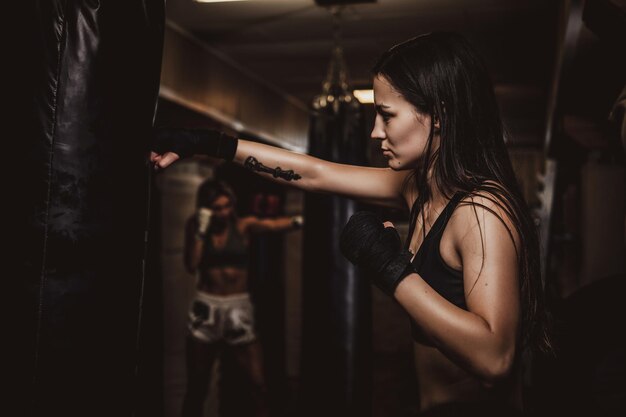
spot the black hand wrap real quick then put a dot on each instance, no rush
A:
(188, 142)
(376, 250)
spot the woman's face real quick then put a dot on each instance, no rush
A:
(402, 130)
(222, 207)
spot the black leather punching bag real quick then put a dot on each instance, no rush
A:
(83, 203)
(336, 327)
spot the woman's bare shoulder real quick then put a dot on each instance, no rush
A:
(488, 206)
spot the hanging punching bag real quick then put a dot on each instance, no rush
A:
(82, 208)
(336, 327)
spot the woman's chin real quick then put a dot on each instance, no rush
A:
(395, 164)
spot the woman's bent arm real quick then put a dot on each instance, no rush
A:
(482, 339)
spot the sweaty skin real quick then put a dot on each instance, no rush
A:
(475, 354)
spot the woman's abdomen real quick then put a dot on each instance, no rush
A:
(441, 381)
(223, 280)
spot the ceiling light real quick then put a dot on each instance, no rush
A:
(364, 96)
(341, 2)
(215, 1)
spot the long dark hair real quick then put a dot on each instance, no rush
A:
(442, 75)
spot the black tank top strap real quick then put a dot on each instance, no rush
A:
(443, 216)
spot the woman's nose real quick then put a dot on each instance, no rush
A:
(378, 132)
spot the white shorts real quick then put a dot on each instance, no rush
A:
(228, 318)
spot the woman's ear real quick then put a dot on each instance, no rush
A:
(436, 123)
(437, 120)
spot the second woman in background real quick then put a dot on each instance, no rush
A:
(222, 314)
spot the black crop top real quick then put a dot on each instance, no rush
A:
(431, 267)
(234, 253)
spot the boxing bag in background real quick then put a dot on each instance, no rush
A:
(336, 325)
(83, 203)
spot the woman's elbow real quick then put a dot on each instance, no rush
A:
(498, 367)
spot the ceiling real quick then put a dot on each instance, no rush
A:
(288, 43)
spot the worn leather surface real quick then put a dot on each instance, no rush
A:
(82, 209)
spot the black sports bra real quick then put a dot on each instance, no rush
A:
(234, 253)
(431, 267)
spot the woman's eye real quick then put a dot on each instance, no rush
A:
(386, 117)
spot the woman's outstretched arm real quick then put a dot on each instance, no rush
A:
(253, 224)
(382, 186)
(377, 185)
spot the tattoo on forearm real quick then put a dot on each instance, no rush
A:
(253, 164)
